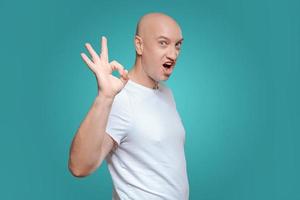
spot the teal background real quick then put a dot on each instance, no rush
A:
(236, 86)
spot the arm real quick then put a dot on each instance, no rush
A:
(87, 150)
(91, 143)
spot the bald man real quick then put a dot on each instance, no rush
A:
(133, 123)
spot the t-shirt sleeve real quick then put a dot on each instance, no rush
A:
(171, 96)
(119, 120)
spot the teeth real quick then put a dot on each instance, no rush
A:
(166, 65)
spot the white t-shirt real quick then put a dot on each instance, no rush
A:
(149, 163)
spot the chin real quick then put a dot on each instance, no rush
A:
(165, 77)
(162, 78)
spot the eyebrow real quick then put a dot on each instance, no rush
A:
(164, 37)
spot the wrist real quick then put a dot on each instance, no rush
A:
(102, 99)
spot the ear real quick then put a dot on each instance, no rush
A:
(138, 41)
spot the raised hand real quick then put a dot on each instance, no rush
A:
(108, 85)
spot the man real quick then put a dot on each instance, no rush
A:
(133, 123)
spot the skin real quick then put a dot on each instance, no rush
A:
(157, 41)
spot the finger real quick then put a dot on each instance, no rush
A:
(87, 61)
(125, 76)
(104, 50)
(124, 79)
(94, 55)
(117, 66)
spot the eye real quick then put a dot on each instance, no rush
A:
(178, 45)
(163, 43)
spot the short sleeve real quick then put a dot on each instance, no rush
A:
(170, 95)
(118, 124)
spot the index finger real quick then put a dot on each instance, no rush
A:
(104, 50)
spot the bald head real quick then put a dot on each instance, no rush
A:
(157, 42)
(152, 21)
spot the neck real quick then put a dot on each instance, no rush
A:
(138, 75)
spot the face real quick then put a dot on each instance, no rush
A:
(161, 48)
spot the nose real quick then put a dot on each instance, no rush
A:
(172, 53)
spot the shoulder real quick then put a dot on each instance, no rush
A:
(168, 93)
(166, 89)
(121, 103)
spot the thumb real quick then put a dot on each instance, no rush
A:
(124, 76)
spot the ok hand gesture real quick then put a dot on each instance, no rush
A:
(108, 85)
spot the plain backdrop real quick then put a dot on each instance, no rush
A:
(236, 85)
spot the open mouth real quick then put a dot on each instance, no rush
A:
(168, 68)
(167, 65)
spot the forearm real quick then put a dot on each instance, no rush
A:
(86, 146)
